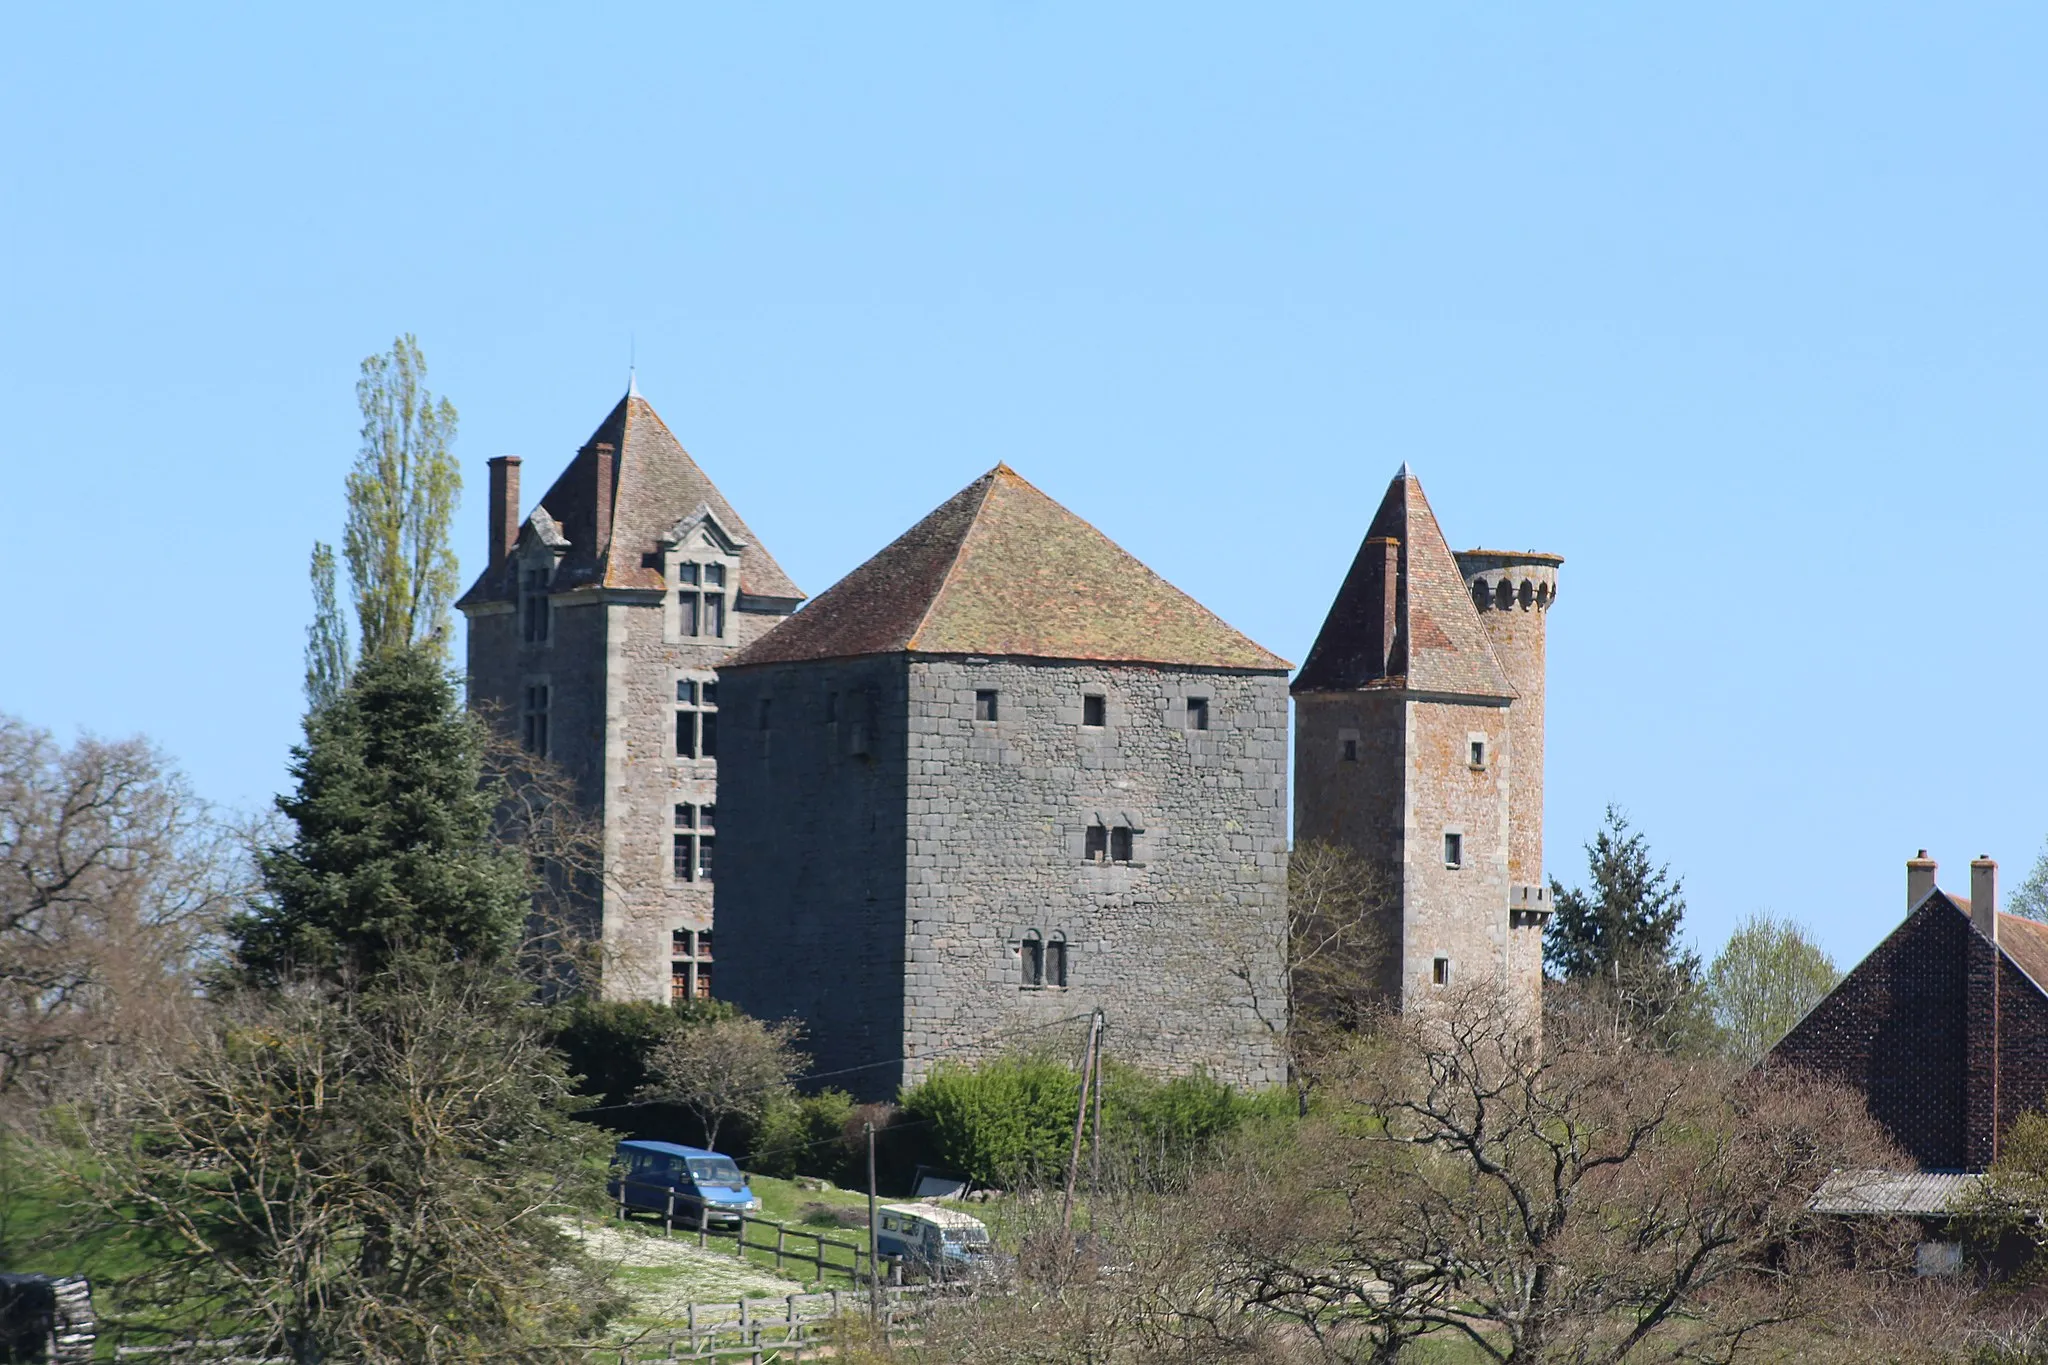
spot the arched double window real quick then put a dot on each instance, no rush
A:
(1042, 960)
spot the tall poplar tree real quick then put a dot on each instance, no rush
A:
(401, 499)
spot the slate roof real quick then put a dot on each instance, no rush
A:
(1001, 569)
(1438, 642)
(655, 485)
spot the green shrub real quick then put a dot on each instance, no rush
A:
(803, 1135)
(1005, 1120)
(1013, 1117)
(607, 1043)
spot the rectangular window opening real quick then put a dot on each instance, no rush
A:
(1094, 711)
(1351, 751)
(1478, 753)
(1198, 713)
(1440, 971)
(536, 730)
(1056, 963)
(1033, 963)
(984, 706)
(687, 615)
(1095, 845)
(1454, 850)
(714, 614)
(686, 734)
(707, 735)
(1120, 844)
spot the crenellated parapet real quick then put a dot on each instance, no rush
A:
(1510, 580)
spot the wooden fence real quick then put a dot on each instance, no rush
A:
(787, 1243)
(750, 1330)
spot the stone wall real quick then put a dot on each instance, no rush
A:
(810, 888)
(884, 897)
(1357, 802)
(611, 675)
(1411, 783)
(1182, 946)
(1459, 914)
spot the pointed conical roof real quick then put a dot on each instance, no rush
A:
(655, 484)
(1002, 569)
(1437, 643)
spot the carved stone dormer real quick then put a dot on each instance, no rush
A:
(700, 566)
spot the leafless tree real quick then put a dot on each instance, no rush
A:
(1330, 944)
(332, 1175)
(540, 812)
(114, 880)
(726, 1068)
(1596, 1203)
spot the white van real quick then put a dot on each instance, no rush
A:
(937, 1240)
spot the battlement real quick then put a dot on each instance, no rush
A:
(1507, 580)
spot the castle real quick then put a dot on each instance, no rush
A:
(1002, 774)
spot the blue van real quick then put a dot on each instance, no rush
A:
(708, 1186)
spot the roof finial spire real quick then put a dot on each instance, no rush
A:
(1405, 473)
(632, 366)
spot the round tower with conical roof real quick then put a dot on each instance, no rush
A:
(1512, 591)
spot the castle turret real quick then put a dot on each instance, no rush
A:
(1512, 592)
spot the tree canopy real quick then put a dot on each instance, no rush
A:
(393, 847)
(402, 494)
(1764, 981)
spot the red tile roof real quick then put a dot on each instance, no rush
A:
(1438, 642)
(1002, 569)
(655, 485)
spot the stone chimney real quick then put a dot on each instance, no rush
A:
(504, 506)
(1984, 896)
(603, 503)
(1919, 878)
(1390, 606)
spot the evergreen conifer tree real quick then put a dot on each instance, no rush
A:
(393, 850)
(1620, 934)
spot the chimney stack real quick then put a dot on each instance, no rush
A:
(1390, 608)
(605, 454)
(1984, 896)
(504, 506)
(1919, 878)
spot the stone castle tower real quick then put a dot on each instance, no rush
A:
(596, 630)
(1418, 743)
(999, 775)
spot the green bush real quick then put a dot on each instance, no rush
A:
(1003, 1121)
(803, 1135)
(607, 1043)
(1013, 1117)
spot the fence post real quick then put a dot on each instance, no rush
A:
(780, 1230)
(739, 1248)
(668, 1217)
(703, 1223)
(693, 1327)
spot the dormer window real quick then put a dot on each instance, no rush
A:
(701, 602)
(701, 561)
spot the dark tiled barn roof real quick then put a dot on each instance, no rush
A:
(1438, 642)
(655, 485)
(1002, 569)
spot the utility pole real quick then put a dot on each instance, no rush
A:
(1095, 1126)
(1080, 1118)
(874, 1259)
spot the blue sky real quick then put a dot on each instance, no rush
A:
(1739, 308)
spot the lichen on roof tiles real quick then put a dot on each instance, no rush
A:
(1438, 643)
(654, 484)
(1002, 569)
